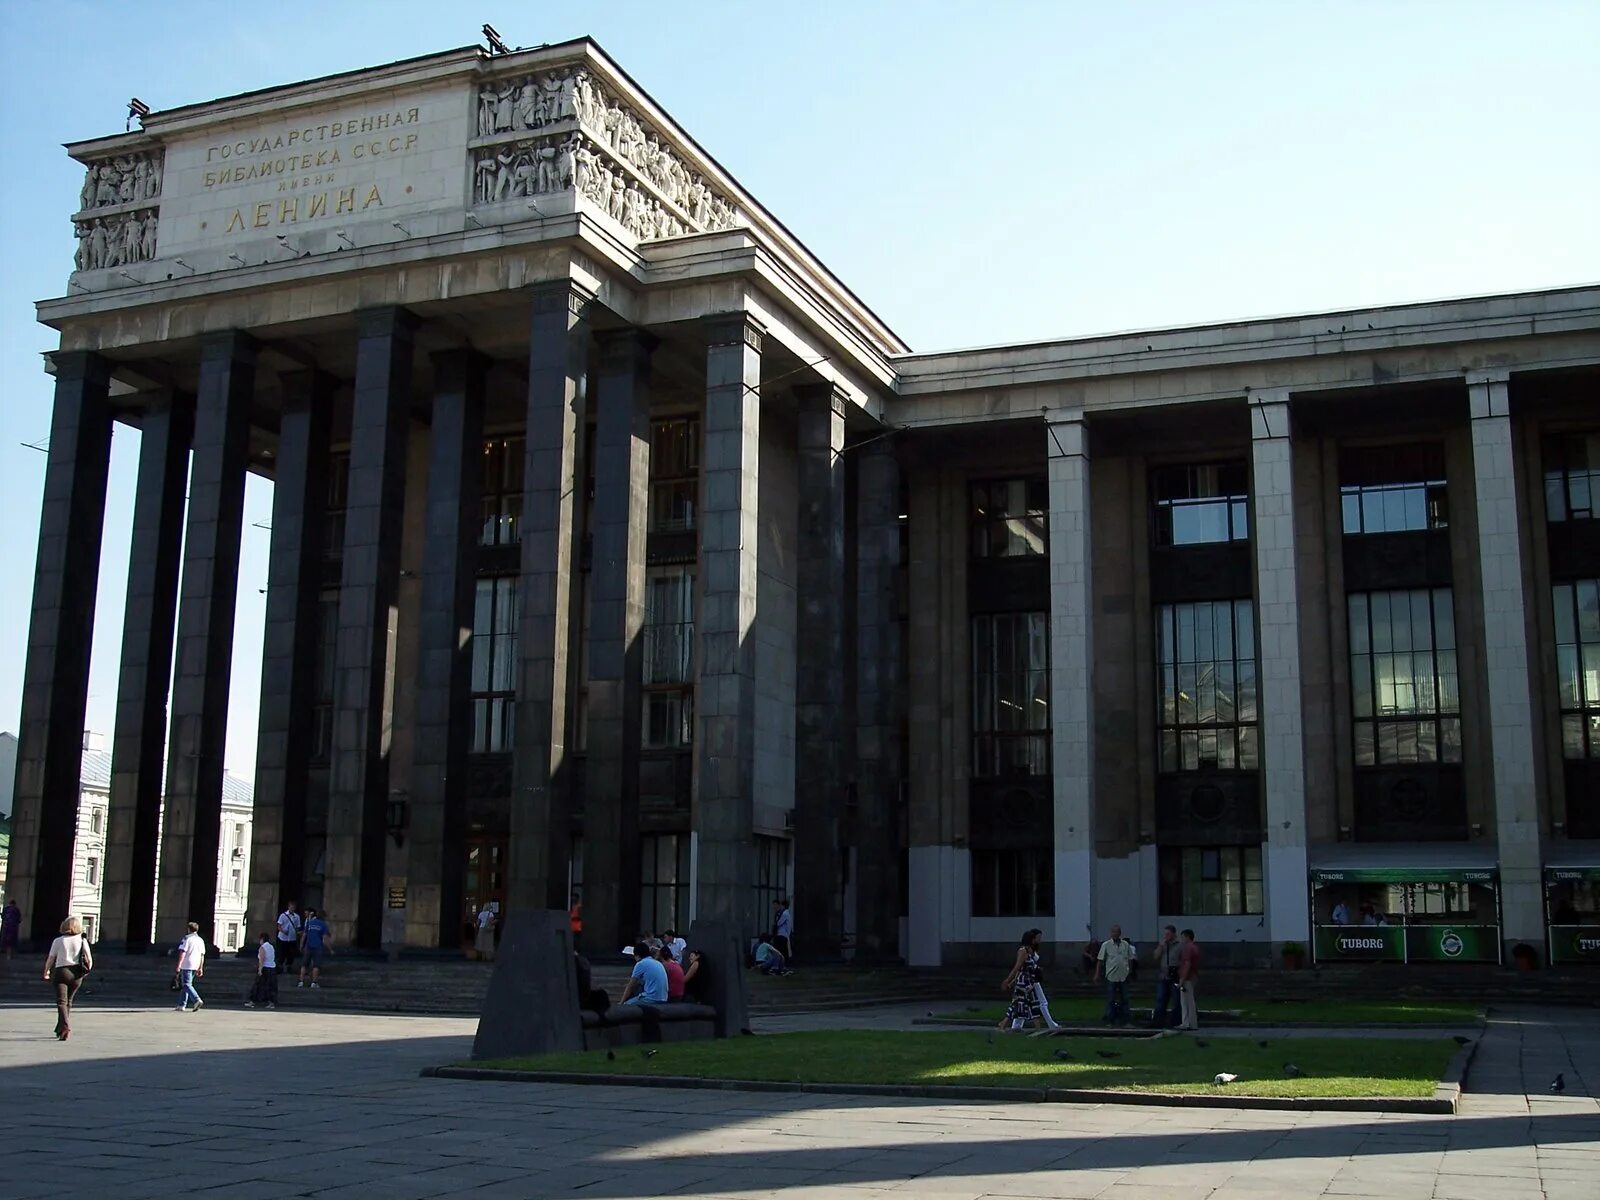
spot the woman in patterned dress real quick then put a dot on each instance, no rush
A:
(1027, 997)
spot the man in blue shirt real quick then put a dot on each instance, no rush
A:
(314, 941)
(648, 983)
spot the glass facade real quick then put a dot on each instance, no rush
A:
(1404, 688)
(1211, 881)
(1201, 503)
(669, 658)
(494, 665)
(501, 501)
(1010, 695)
(1577, 623)
(1013, 883)
(1207, 686)
(1393, 489)
(1572, 477)
(1008, 518)
(772, 876)
(664, 882)
(674, 474)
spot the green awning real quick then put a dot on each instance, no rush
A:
(1399, 874)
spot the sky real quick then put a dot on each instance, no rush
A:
(978, 174)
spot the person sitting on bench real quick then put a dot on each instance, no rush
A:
(648, 983)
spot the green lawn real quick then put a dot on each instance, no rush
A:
(1330, 1066)
(1088, 1010)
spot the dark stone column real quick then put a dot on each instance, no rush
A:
(139, 743)
(541, 840)
(616, 618)
(819, 674)
(289, 645)
(444, 679)
(55, 684)
(725, 692)
(880, 687)
(358, 786)
(193, 821)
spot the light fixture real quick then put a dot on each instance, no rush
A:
(137, 108)
(399, 816)
(492, 36)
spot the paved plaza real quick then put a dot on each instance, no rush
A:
(238, 1105)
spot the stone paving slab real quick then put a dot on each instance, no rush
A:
(331, 1106)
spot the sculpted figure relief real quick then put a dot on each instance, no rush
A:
(125, 179)
(116, 241)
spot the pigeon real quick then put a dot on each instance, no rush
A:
(1292, 1071)
(1461, 1040)
(990, 1037)
(1108, 1053)
(1201, 1042)
(1559, 1083)
(1065, 1056)
(1263, 1045)
(1224, 1077)
(650, 1053)
(611, 1056)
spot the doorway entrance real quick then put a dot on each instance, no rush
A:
(483, 882)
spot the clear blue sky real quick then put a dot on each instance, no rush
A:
(978, 174)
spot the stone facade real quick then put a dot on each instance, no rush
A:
(607, 517)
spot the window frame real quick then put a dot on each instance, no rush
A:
(1565, 478)
(1174, 735)
(1223, 485)
(1012, 882)
(492, 684)
(997, 529)
(994, 748)
(501, 490)
(1381, 734)
(1576, 630)
(675, 444)
(1192, 884)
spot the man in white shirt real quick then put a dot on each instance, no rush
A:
(191, 966)
(783, 929)
(1341, 913)
(288, 936)
(1115, 962)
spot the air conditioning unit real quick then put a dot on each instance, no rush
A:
(788, 818)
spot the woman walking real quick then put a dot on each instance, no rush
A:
(65, 966)
(1027, 991)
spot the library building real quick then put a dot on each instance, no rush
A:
(620, 551)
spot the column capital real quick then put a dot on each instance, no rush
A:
(629, 346)
(80, 364)
(233, 345)
(556, 295)
(1066, 433)
(389, 321)
(1269, 414)
(825, 394)
(456, 362)
(1489, 393)
(729, 329)
(306, 382)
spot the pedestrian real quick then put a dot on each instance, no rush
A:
(191, 966)
(783, 929)
(10, 929)
(575, 917)
(314, 941)
(1166, 964)
(1025, 984)
(1341, 913)
(288, 936)
(265, 992)
(1115, 964)
(65, 966)
(1188, 977)
(484, 941)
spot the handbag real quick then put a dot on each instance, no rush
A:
(78, 969)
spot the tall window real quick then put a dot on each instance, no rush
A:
(1403, 681)
(1208, 686)
(1013, 883)
(327, 676)
(501, 502)
(772, 876)
(1572, 477)
(674, 473)
(1389, 489)
(669, 658)
(494, 664)
(338, 501)
(1010, 695)
(1577, 608)
(96, 821)
(238, 882)
(93, 871)
(1210, 881)
(1008, 518)
(664, 882)
(1201, 503)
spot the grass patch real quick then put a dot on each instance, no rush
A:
(1074, 1010)
(1331, 1066)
